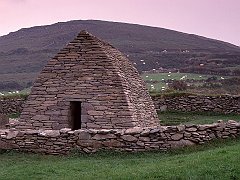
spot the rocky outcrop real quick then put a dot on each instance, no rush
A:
(135, 139)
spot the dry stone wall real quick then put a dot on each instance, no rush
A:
(4, 120)
(9, 106)
(135, 139)
(221, 104)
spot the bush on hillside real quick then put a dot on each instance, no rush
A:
(178, 85)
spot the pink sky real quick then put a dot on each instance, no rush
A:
(219, 19)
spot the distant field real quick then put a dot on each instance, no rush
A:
(15, 93)
(175, 76)
(176, 118)
(151, 78)
(195, 83)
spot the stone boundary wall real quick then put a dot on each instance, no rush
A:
(136, 139)
(220, 104)
(9, 106)
(4, 120)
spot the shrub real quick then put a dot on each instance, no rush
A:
(178, 85)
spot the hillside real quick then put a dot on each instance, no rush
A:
(24, 53)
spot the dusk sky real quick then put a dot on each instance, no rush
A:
(218, 19)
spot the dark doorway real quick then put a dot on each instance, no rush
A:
(76, 112)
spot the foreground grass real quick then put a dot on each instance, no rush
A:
(218, 160)
(176, 118)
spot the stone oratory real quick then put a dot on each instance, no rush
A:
(88, 85)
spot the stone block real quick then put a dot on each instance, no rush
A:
(133, 131)
(84, 143)
(181, 128)
(129, 138)
(192, 129)
(177, 136)
(112, 143)
(40, 117)
(83, 135)
(4, 120)
(95, 113)
(7, 145)
(11, 134)
(65, 130)
(144, 139)
(50, 133)
(103, 136)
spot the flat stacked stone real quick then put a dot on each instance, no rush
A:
(10, 106)
(135, 139)
(111, 92)
(4, 120)
(199, 103)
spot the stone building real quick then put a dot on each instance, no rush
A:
(90, 85)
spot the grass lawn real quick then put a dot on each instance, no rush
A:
(176, 118)
(217, 160)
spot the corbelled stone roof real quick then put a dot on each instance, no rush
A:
(93, 72)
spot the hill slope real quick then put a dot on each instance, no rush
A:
(24, 53)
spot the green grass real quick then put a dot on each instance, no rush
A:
(176, 76)
(217, 160)
(156, 82)
(159, 78)
(22, 95)
(14, 115)
(176, 118)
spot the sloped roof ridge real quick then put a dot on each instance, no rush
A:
(84, 33)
